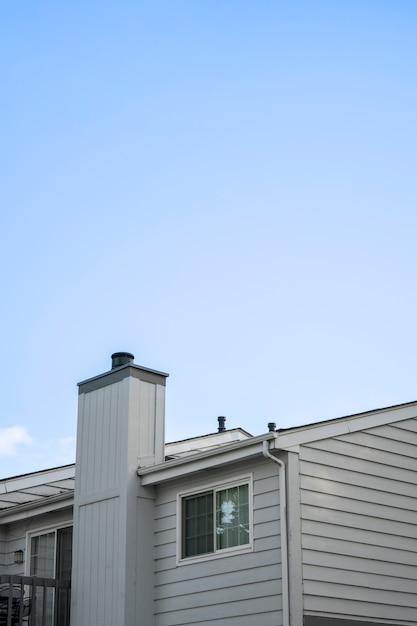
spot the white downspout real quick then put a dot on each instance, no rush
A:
(284, 533)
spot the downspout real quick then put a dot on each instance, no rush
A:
(284, 533)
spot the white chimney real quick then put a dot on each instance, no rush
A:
(121, 416)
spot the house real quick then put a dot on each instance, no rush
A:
(313, 526)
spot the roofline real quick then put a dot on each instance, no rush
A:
(52, 503)
(228, 430)
(178, 468)
(286, 438)
(347, 417)
(24, 481)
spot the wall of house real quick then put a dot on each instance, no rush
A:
(15, 537)
(359, 524)
(235, 590)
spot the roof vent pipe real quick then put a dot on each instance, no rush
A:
(272, 427)
(121, 358)
(221, 421)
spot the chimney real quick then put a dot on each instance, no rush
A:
(121, 416)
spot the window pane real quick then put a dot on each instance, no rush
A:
(197, 524)
(232, 517)
(63, 571)
(64, 553)
(42, 564)
(42, 552)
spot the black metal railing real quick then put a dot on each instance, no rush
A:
(33, 601)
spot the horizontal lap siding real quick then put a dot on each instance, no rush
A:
(15, 536)
(239, 589)
(359, 524)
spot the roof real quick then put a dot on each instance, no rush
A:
(342, 418)
(30, 490)
(194, 445)
(54, 488)
(290, 438)
(282, 440)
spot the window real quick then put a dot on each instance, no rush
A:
(215, 520)
(51, 554)
(51, 557)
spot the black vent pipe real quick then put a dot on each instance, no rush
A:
(221, 421)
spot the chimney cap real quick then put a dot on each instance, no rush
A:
(121, 358)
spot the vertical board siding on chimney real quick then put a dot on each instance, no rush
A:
(99, 432)
(100, 458)
(96, 587)
(147, 410)
(359, 524)
(145, 395)
(235, 590)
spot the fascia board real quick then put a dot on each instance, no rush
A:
(171, 470)
(344, 426)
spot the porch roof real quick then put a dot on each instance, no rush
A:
(31, 489)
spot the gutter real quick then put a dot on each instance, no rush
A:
(284, 532)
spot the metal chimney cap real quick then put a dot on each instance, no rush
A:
(121, 358)
(272, 427)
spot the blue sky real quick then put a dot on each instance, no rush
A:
(227, 189)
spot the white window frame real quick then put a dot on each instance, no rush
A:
(237, 481)
(45, 530)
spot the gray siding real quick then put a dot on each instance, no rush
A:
(99, 434)
(359, 524)
(235, 590)
(98, 581)
(15, 537)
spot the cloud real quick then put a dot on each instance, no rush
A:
(50, 453)
(65, 450)
(22, 454)
(11, 438)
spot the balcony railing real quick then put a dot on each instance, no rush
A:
(33, 601)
